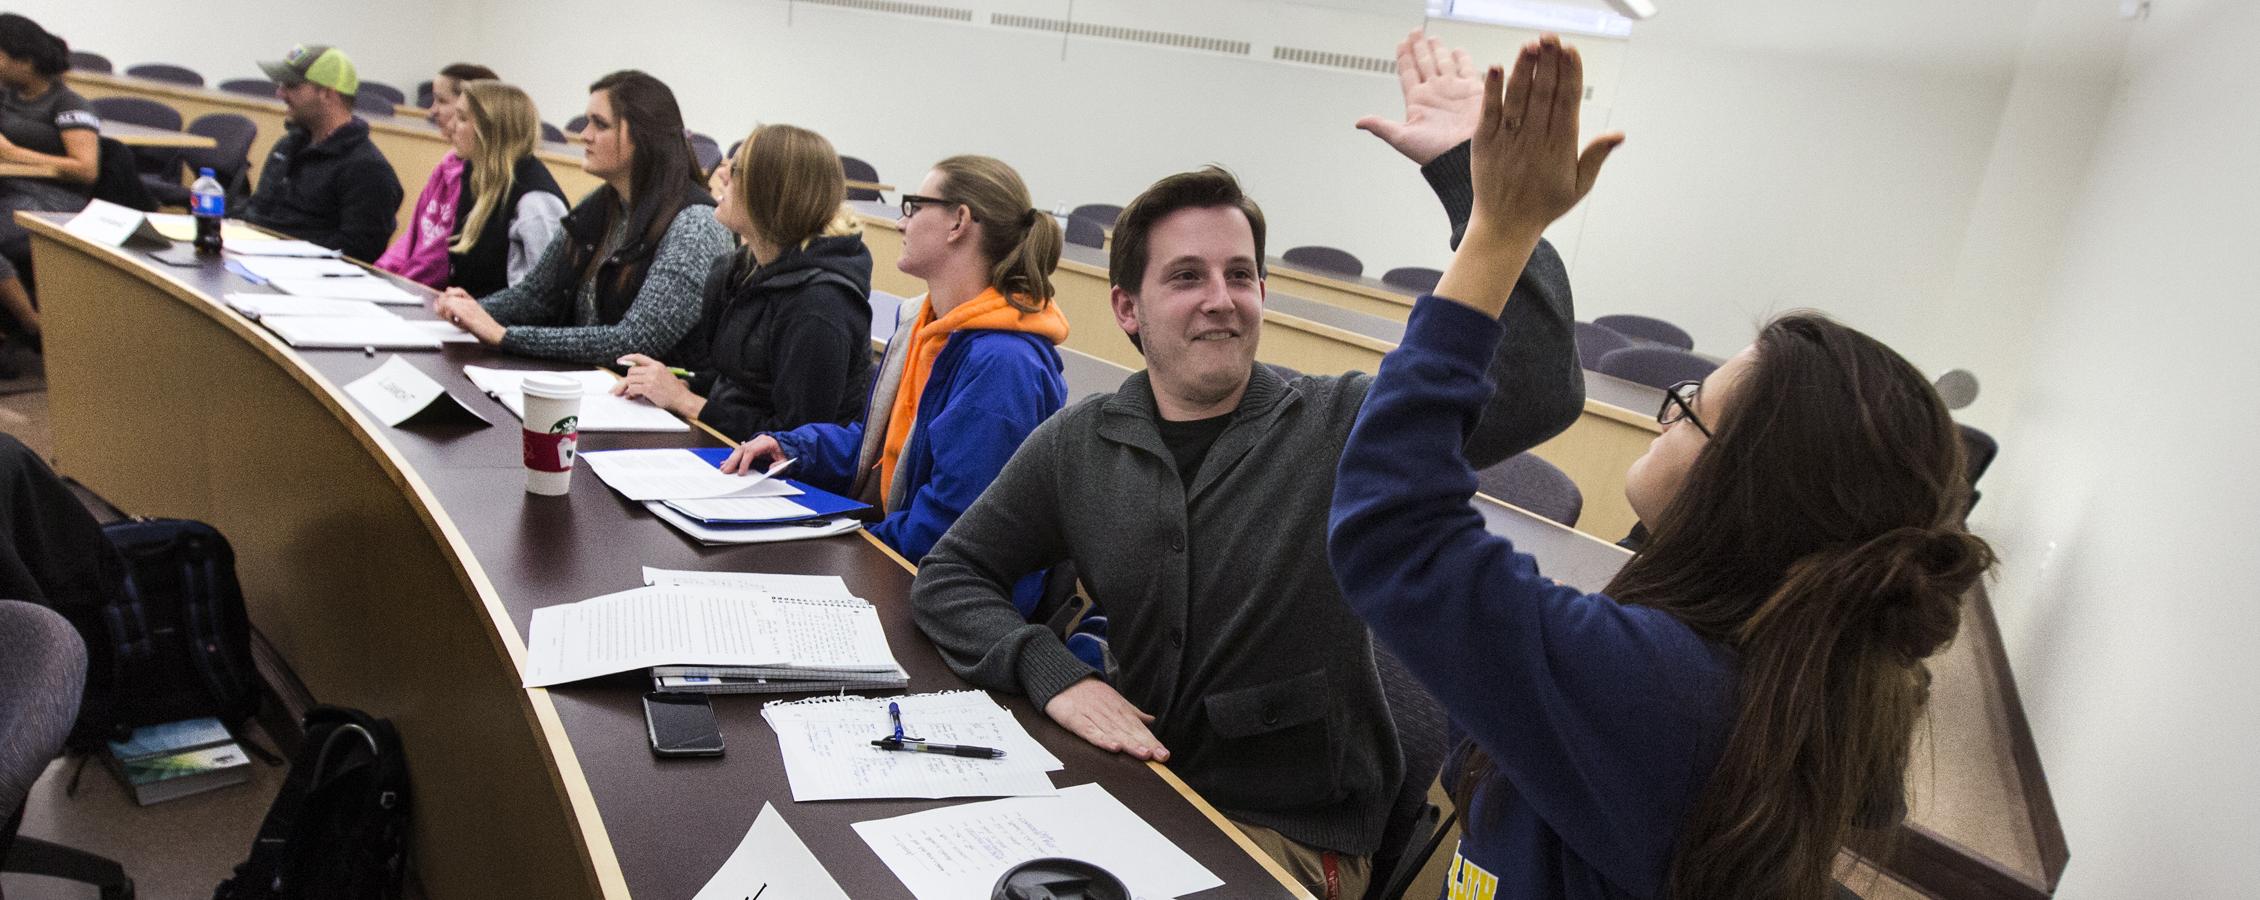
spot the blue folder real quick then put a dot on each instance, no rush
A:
(821, 503)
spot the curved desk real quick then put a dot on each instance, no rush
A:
(396, 570)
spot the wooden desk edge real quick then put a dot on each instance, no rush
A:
(1325, 280)
(600, 864)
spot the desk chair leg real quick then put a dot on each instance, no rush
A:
(32, 856)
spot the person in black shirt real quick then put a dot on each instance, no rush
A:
(42, 124)
(324, 182)
(785, 325)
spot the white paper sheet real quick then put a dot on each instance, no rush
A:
(772, 863)
(673, 474)
(445, 331)
(348, 332)
(740, 508)
(826, 744)
(651, 626)
(273, 267)
(278, 248)
(108, 223)
(182, 227)
(397, 391)
(370, 288)
(750, 534)
(959, 852)
(600, 411)
(797, 587)
(286, 305)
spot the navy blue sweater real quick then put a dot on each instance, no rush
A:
(1603, 720)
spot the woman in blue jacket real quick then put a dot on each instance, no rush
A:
(1744, 692)
(970, 371)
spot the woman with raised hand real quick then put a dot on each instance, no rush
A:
(1743, 693)
(971, 368)
(786, 327)
(419, 253)
(42, 123)
(512, 208)
(624, 274)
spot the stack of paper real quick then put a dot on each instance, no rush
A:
(826, 743)
(832, 638)
(959, 852)
(256, 305)
(652, 626)
(344, 287)
(349, 332)
(600, 411)
(290, 247)
(680, 474)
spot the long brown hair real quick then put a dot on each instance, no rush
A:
(666, 169)
(789, 182)
(1022, 243)
(1818, 535)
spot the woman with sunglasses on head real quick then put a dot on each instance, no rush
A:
(624, 274)
(786, 327)
(1743, 693)
(419, 253)
(43, 123)
(971, 368)
(512, 208)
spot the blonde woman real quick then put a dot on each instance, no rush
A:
(511, 206)
(783, 337)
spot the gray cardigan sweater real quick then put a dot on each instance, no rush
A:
(664, 311)
(1223, 613)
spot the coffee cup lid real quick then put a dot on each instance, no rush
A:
(551, 386)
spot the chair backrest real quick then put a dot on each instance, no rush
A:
(1658, 367)
(858, 170)
(1595, 341)
(424, 93)
(89, 62)
(1085, 232)
(1413, 278)
(167, 72)
(708, 150)
(552, 133)
(234, 134)
(1644, 328)
(1421, 732)
(42, 677)
(1103, 213)
(575, 124)
(1533, 484)
(250, 87)
(1978, 450)
(136, 110)
(391, 94)
(373, 105)
(1324, 259)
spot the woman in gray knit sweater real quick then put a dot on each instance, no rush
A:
(624, 275)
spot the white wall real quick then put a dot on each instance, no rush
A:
(2125, 501)
(392, 41)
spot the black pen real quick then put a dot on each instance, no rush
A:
(945, 749)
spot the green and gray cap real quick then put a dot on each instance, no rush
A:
(318, 64)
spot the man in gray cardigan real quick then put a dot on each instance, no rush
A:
(1193, 502)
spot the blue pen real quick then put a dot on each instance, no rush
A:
(921, 745)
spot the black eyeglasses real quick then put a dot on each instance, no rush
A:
(1679, 403)
(911, 203)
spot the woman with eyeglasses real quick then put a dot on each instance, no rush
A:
(623, 276)
(971, 370)
(1741, 695)
(419, 253)
(786, 322)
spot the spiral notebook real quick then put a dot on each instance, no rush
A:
(832, 640)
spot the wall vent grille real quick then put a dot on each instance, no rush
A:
(922, 10)
(1117, 33)
(1332, 60)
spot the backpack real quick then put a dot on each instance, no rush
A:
(176, 642)
(338, 830)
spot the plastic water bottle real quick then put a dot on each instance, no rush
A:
(209, 202)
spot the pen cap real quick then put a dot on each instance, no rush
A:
(1058, 878)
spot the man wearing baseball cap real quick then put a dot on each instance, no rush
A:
(324, 182)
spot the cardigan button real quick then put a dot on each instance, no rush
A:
(1270, 715)
(1177, 544)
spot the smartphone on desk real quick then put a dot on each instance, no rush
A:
(681, 724)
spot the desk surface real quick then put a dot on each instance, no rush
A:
(132, 135)
(651, 829)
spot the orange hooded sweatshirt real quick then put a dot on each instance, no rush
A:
(987, 311)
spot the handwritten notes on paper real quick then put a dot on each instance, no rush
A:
(826, 743)
(959, 852)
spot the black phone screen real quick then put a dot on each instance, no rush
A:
(681, 724)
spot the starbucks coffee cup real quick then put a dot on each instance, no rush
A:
(552, 432)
